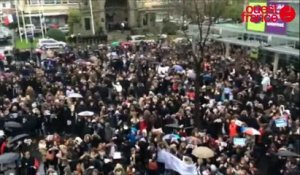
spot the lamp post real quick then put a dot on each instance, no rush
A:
(77, 39)
(31, 46)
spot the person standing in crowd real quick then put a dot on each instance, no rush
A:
(130, 110)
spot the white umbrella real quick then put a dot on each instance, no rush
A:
(86, 113)
(2, 133)
(203, 152)
(74, 95)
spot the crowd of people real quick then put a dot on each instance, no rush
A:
(130, 111)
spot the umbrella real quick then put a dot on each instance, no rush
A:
(193, 140)
(227, 90)
(286, 153)
(12, 124)
(176, 126)
(86, 113)
(2, 133)
(191, 74)
(178, 68)
(82, 62)
(74, 95)
(53, 149)
(9, 158)
(2, 57)
(238, 122)
(250, 131)
(203, 152)
(18, 137)
(171, 137)
(126, 43)
(115, 43)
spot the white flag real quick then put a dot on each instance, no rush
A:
(174, 163)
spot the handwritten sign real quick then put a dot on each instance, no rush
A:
(239, 141)
(280, 123)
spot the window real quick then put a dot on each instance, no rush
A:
(87, 23)
(35, 1)
(3, 5)
(50, 2)
(72, 1)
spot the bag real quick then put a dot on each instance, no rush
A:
(152, 166)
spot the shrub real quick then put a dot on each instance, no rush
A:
(169, 28)
(56, 34)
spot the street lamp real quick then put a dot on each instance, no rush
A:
(31, 47)
(77, 39)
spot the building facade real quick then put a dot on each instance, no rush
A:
(7, 7)
(109, 14)
(54, 11)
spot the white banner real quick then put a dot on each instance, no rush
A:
(174, 163)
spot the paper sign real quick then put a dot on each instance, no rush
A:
(239, 141)
(280, 123)
(117, 155)
(107, 160)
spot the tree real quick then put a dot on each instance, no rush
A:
(203, 13)
(234, 10)
(74, 17)
(169, 28)
(56, 34)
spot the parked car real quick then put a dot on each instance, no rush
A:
(64, 29)
(181, 40)
(50, 43)
(136, 39)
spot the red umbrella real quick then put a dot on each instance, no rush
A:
(2, 57)
(250, 131)
(126, 44)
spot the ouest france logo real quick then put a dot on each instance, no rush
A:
(268, 13)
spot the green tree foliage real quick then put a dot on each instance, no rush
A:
(169, 28)
(234, 10)
(74, 17)
(56, 34)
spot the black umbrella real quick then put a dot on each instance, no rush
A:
(174, 125)
(18, 137)
(12, 124)
(286, 153)
(7, 158)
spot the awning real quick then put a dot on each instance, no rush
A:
(283, 50)
(47, 14)
(253, 44)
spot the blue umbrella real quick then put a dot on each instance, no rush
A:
(178, 68)
(227, 90)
